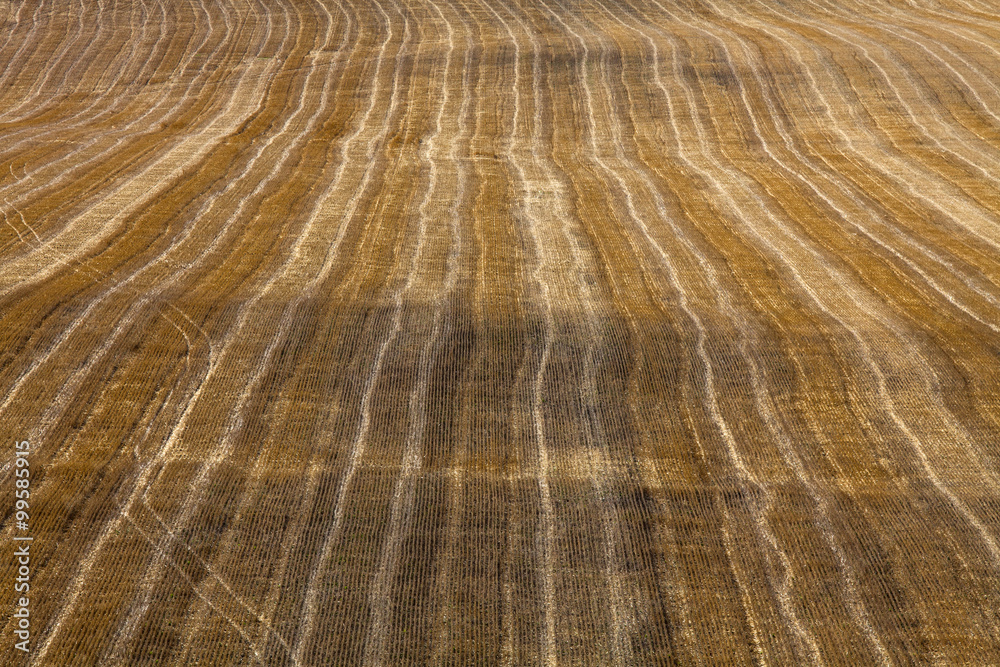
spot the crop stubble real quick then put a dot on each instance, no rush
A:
(488, 331)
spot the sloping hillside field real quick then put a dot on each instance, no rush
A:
(500, 332)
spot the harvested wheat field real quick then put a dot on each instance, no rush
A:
(500, 332)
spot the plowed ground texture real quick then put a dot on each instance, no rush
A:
(502, 332)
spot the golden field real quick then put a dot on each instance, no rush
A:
(502, 332)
